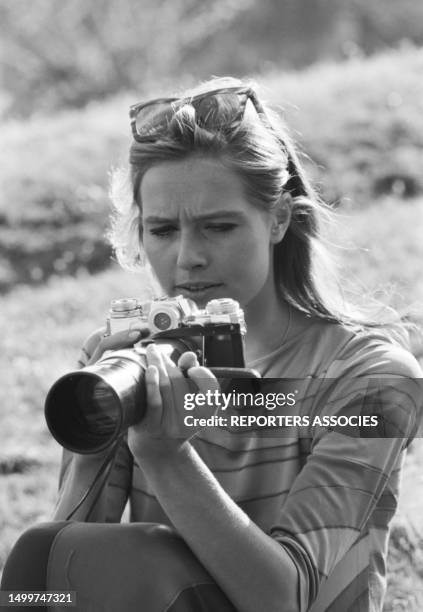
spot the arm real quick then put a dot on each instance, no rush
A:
(78, 477)
(325, 514)
(107, 500)
(254, 570)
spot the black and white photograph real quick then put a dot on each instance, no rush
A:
(211, 322)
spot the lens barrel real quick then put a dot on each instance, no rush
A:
(86, 410)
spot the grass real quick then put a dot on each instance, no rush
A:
(380, 247)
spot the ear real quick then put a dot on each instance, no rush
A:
(281, 218)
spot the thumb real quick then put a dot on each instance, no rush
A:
(188, 360)
(204, 379)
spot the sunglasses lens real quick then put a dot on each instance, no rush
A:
(153, 119)
(218, 110)
(214, 111)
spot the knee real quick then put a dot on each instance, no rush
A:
(27, 561)
(156, 538)
(162, 547)
(37, 537)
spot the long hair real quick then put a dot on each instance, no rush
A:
(262, 153)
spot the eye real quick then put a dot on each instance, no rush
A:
(163, 231)
(221, 227)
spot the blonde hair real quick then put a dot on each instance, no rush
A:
(263, 155)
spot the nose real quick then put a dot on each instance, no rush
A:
(191, 251)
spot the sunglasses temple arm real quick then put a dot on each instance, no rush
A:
(296, 184)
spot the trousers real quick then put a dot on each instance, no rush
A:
(131, 567)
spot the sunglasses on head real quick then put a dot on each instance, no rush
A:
(220, 109)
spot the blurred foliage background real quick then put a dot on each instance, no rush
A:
(68, 71)
(57, 54)
(346, 74)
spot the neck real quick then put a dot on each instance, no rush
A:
(268, 319)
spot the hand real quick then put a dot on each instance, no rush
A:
(114, 342)
(161, 430)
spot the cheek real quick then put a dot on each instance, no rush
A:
(256, 251)
(249, 262)
(159, 257)
(149, 250)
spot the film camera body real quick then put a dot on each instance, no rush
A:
(87, 410)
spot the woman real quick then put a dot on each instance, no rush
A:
(221, 206)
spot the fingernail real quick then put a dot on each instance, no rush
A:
(139, 332)
(135, 333)
(152, 374)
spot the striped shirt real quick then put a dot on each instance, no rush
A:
(327, 497)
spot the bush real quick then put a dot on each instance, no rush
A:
(54, 204)
(360, 122)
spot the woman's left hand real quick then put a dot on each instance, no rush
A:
(162, 429)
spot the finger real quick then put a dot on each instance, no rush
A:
(154, 357)
(154, 398)
(168, 361)
(188, 360)
(173, 371)
(116, 341)
(122, 339)
(203, 378)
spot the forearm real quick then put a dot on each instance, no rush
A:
(81, 474)
(254, 570)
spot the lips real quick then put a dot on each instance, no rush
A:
(199, 292)
(197, 286)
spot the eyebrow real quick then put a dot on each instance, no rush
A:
(221, 214)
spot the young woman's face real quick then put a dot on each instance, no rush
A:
(203, 239)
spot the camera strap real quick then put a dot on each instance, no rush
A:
(104, 470)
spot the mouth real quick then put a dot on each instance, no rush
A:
(197, 288)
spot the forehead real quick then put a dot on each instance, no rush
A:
(194, 185)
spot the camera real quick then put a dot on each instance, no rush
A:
(87, 410)
(166, 313)
(158, 315)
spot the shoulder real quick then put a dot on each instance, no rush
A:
(368, 353)
(322, 349)
(376, 376)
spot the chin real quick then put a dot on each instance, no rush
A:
(201, 302)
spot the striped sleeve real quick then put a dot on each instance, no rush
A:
(338, 496)
(119, 481)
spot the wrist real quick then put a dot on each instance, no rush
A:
(160, 451)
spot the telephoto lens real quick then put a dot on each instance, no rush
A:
(87, 410)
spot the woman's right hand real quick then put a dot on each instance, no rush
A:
(98, 343)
